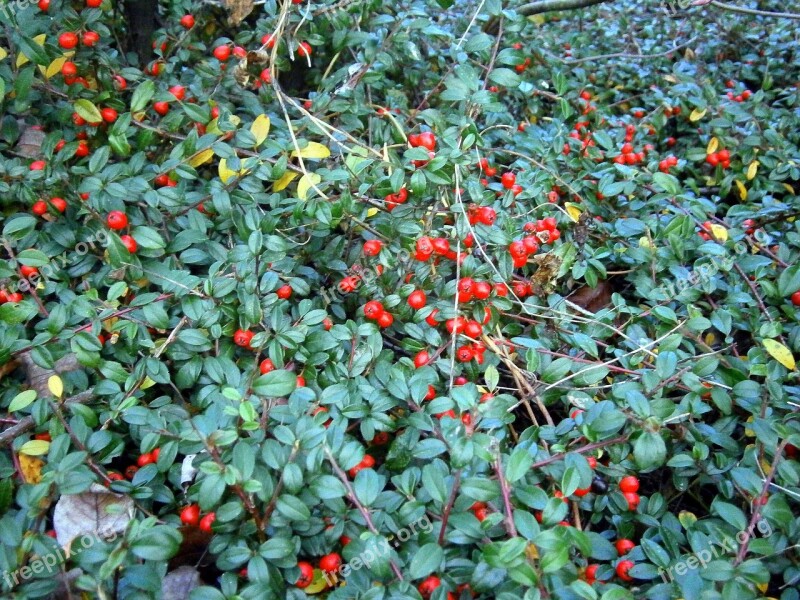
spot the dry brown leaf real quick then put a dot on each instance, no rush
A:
(238, 10)
(178, 584)
(544, 279)
(97, 512)
(31, 468)
(30, 142)
(592, 299)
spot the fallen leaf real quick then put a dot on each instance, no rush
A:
(238, 10)
(592, 299)
(178, 584)
(31, 468)
(780, 353)
(97, 512)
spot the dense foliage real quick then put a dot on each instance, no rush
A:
(444, 300)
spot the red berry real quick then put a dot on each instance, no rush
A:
(187, 21)
(366, 463)
(330, 562)
(222, 53)
(431, 318)
(284, 292)
(427, 140)
(428, 586)
(304, 49)
(796, 298)
(190, 515)
(40, 207)
(624, 546)
(59, 204)
(306, 574)
(622, 570)
(90, 38)
(129, 243)
(38, 165)
(109, 115)
(421, 358)
(117, 219)
(161, 107)
(629, 484)
(68, 40)
(385, 320)
(465, 354)
(93, 3)
(27, 271)
(633, 500)
(207, 521)
(69, 69)
(44, 5)
(144, 459)
(243, 337)
(373, 309)
(417, 299)
(266, 366)
(178, 91)
(508, 180)
(372, 247)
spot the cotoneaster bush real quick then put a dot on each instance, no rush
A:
(302, 283)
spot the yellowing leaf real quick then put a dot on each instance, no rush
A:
(573, 210)
(319, 583)
(371, 212)
(697, 115)
(22, 400)
(719, 232)
(31, 468)
(201, 158)
(742, 190)
(21, 58)
(644, 242)
(54, 68)
(260, 129)
(226, 174)
(307, 181)
(35, 447)
(147, 383)
(789, 188)
(752, 169)
(713, 144)
(284, 181)
(56, 386)
(313, 151)
(3, 53)
(780, 353)
(212, 127)
(687, 519)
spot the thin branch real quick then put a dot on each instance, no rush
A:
(631, 56)
(753, 11)
(10, 434)
(543, 6)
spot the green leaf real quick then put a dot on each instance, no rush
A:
(292, 508)
(668, 183)
(275, 384)
(33, 258)
(518, 465)
(159, 543)
(142, 95)
(18, 227)
(87, 110)
(505, 77)
(649, 451)
(22, 400)
(426, 560)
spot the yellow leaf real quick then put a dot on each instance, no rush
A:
(56, 386)
(780, 353)
(752, 169)
(670, 78)
(719, 232)
(212, 127)
(789, 188)
(3, 53)
(21, 58)
(260, 129)
(371, 212)
(226, 174)
(31, 468)
(536, 19)
(54, 68)
(313, 151)
(644, 242)
(201, 158)
(307, 182)
(573, 210)
(713, 144)
(35, 447)
(697, 115)
(147, 383)
(742, 190)
(284, 181)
